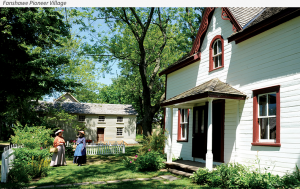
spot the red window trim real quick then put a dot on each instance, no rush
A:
(255, 116)
(179, 127)
(211, 60)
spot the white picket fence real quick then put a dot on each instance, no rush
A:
(7, 160)
(104, 148)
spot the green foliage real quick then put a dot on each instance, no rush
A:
(130, 163)
(155, 142)
(69, 153)
(201, 176)
(29, 163)
(234, 175)
(150, 161)
(28, 35)
(32, 137)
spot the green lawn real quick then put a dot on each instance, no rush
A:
(105, 168)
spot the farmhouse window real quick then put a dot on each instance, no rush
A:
(216, 53)
(119, 131)
(183, 116)
(266, 116)
(81, 118)
(101, 119)
(120, 119)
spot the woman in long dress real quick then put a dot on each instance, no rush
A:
(59, 158)
(80, 152)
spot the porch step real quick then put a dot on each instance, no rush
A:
(183, 166)
(177, 172)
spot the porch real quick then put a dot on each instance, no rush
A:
(207, 103)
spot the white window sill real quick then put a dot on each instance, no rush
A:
(120, 123)
(119, 136)
(101, 122)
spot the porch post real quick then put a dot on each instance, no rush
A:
(237, 132)
(209, 155)
(170, 126)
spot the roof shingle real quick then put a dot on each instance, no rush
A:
(92, 108)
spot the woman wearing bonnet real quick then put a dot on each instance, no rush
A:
(59, 158)
(80, 152)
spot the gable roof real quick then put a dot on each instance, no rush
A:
(90, 108)
(211, 88)
(267, 19)
(244, 15)
(247, 22)
(66, 94)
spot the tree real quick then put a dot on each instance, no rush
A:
(28, 69)
(143, 41)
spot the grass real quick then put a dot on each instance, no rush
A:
(105, 168)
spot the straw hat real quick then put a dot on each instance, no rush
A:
(59, 131)
(81, 132)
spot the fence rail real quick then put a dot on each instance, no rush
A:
(7, 160)
(104, 148)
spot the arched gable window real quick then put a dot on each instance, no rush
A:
(216, 53)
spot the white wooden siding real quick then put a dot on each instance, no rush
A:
(268, 59)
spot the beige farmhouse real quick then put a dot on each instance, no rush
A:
(103, 122)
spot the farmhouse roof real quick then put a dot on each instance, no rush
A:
(67, 93)
(91, 108)
(211, 88)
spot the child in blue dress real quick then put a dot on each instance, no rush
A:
(80, 152)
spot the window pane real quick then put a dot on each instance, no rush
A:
(263, 124)
(182, 116)
(202, 122)
(219, 46)
(183, 130)
(272, 104)
(272, 127)
(215, 48)
(196, 122)
(220, 60)
(262, 105)
(119, 119)
(216, 61)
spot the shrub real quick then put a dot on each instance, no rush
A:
(69, 153)
(234, 175)
(201, 176)
(130, 164)
(33, 159)
(29, 163)
(151, 161)
(155, 142)
(32, 137)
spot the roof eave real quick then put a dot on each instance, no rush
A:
(204, 95)
(184, 63)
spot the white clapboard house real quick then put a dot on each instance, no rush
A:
(236, 96)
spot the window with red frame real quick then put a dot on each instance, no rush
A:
(183, 116)
(266, 116)
(216, 53)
